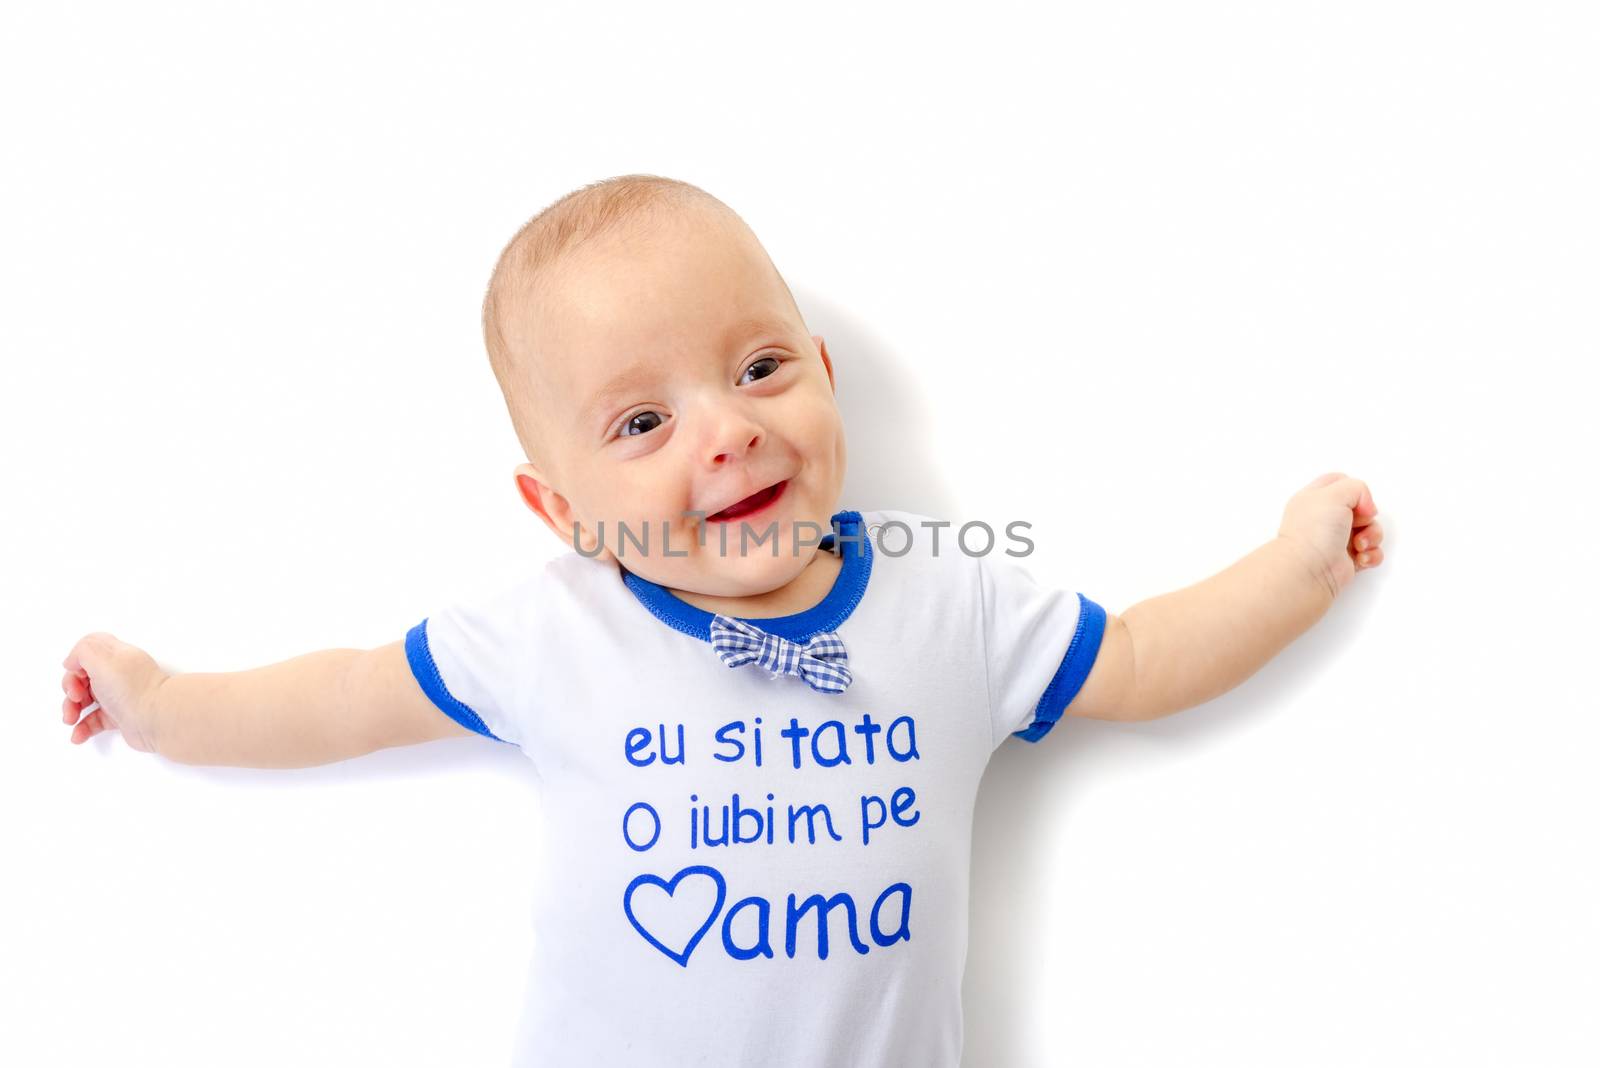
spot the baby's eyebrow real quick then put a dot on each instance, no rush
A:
(631, 378)
(749, 327)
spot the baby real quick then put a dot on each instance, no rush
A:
(758, 721)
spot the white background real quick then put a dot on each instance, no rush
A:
(1133, 272)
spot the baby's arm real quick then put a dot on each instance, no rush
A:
(314, 709)
(1184, 648)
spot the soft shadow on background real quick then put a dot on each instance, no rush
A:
(886, 416)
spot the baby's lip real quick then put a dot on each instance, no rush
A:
(745, 505)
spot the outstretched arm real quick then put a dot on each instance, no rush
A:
(1183, 648)
(314, 709)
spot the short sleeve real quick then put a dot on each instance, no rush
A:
(470, 657)
(1039, 644)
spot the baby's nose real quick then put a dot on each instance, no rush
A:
(723, 453)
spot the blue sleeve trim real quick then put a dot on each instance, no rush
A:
(1069, 676)
(420, 657)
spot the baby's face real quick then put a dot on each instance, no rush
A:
(678, 378)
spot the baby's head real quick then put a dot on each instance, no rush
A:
(655, 365)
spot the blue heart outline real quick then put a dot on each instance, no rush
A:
(669, 887)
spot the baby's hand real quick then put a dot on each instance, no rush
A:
(123, 679)
(1333, 518)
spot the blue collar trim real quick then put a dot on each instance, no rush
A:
(854, 547)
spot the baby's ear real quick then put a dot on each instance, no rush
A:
(554, 509)
(822, 347)
(539, 497)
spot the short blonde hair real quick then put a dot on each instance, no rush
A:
(536, 251)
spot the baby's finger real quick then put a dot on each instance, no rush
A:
(1366, 507)
(74, 687)
(92, 725)
(1370, 558)
(70, 710)
(1370, 538)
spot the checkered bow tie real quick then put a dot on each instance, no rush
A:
(819, 661)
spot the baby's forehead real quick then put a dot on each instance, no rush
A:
(627, 289)
(603, 317)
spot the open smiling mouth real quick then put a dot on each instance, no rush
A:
(750, 505)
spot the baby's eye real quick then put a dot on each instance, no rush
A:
(764, 360)
(642, 423)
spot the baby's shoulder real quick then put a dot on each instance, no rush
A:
(539, 596)
(577, 573)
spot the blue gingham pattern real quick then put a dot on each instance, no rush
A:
(820, 661)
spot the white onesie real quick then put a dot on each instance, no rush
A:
(743, 869)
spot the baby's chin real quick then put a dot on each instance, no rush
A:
(714, 575)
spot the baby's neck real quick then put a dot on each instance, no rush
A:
(805, 590)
